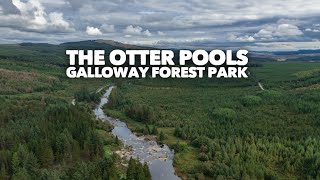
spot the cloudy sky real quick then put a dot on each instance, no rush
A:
(257, 25)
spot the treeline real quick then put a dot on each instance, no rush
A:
(85, 95)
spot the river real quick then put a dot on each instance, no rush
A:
(158, 157)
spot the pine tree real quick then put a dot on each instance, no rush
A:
(155, 130)
(146, 170)
(131, 169)
(46, 156)
(117, 140)
(161, 136)
(3, 172)
(15, 162)
(147, 130)
(139, 174)
(21, 174)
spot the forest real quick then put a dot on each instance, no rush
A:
(232, 128)
(218, 128)
(42, 134)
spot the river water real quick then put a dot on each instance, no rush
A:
(159, 158)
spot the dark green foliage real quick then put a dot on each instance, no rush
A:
(137, 171)
(85, 95)
(238, 130)
(179, 146)
(162, 137)
(224, 113)
(251, 100)
(203, 157)
(154, 130)
(138, 112)
(146, 172)
(102, 169)
(149, 130)
(270, 94)
(116, 99)
(41, 137)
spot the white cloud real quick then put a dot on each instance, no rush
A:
(133, 30)
(312, 30)
(315, 28)
(280, 30)
(108, 28)
(156, 21)
(93, 31)
(161, 33)
(245, 38)
(57, 21)
(33, 17)
(147, 33)
(33, 12)
(136, 30)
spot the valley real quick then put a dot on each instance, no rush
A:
(261, 127)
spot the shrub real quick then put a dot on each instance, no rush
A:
(251, 100)
(203, 157)
(224, 113)
(270, 94)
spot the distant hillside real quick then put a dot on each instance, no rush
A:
(100, 44)
(55, 54)
(307, 51)
(118, 44)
